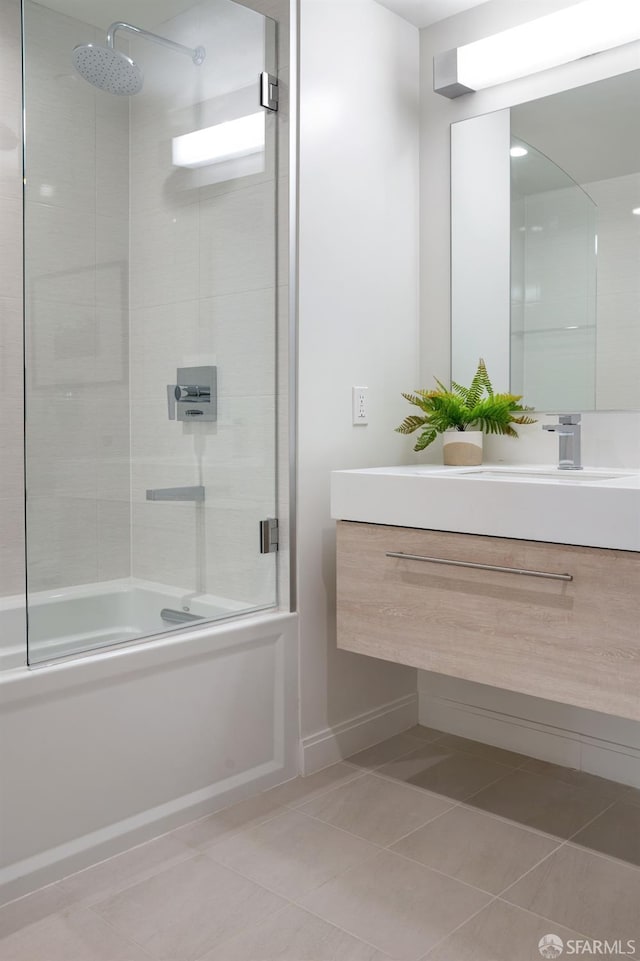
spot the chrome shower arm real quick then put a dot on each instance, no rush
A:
(196, 55)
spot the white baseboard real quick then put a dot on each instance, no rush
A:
(525, 735)
(332, 744)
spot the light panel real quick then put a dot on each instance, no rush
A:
(578, 31)
(224, 141)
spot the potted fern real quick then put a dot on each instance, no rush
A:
(462, 415)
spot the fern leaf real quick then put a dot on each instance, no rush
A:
(411, 423)
(425, 439)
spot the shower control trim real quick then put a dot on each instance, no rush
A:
(194, 396)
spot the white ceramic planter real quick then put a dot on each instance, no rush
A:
(462, 448)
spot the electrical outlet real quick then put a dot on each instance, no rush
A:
(360, 405)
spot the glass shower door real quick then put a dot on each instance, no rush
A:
(150, 320)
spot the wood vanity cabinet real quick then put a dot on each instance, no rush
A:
(573, 637)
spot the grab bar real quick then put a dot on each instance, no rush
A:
(179, 617)
(479, 567)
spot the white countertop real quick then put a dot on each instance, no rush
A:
(594, 507)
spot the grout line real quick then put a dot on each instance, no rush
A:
(322, 792)
(590, 821)
(526, 873)
(543, 917)
(443, 874)
(121, 934)
(436, 817)
(538, 832)
(370, 944)
(457, 928)
(507, 887)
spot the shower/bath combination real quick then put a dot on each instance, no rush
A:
(115, 72)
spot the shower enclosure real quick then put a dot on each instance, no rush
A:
(151, 296)
(553, 284)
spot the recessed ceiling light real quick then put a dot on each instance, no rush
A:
(518, 152)
(636, 210)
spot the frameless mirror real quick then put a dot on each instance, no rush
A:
(545, 249)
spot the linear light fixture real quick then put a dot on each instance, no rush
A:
(224, 141)
(578, 31)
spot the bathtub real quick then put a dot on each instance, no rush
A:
(103, 751)
(75, 620)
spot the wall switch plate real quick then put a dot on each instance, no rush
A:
(360, 405)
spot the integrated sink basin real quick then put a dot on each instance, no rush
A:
(591, 507)
(561, 476)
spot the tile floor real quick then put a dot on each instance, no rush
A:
(426, 846)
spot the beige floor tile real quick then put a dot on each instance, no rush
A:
(303, 789)
(376, 809)
(475, 848)
(616, 833)
(222, 824)
(443, 771)
(541, 802)
(292, 854)
(292, 935)
(510, 758)
(109, 877)
(583, 891)
(425, 733)
(373, 757)
(598, 785)
(74, 935)
(401, 907)
(187, 910)
(632, 796)
(501, 932)
(34, 907)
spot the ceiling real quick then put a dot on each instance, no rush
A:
(422, 13)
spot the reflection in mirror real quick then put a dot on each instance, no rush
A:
(568, 336)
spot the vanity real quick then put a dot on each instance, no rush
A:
(521, 578)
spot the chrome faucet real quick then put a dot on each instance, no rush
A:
(568, 430)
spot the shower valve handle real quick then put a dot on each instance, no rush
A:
(189, 393)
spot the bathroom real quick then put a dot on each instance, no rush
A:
(222, 788)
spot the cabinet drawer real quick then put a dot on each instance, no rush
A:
(550, 620)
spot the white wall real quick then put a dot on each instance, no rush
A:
(357, 315)
(609, 439)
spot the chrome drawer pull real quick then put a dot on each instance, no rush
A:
(479, 567)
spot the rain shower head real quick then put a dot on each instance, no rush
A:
(115, 72)
(108, 69)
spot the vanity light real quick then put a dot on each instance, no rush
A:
(518, 152)
(578, 31)
(224, 141)
(636, 210)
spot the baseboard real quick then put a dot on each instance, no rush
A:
(332, 744)
(570, 748)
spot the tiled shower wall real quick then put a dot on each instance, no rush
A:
(76, 291)
(11, 422)
(204, 291)
(618, 299)
(196, 298)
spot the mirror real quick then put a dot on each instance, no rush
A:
(545, 247)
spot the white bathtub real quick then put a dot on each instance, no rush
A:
(103, 751)
(74, 620)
